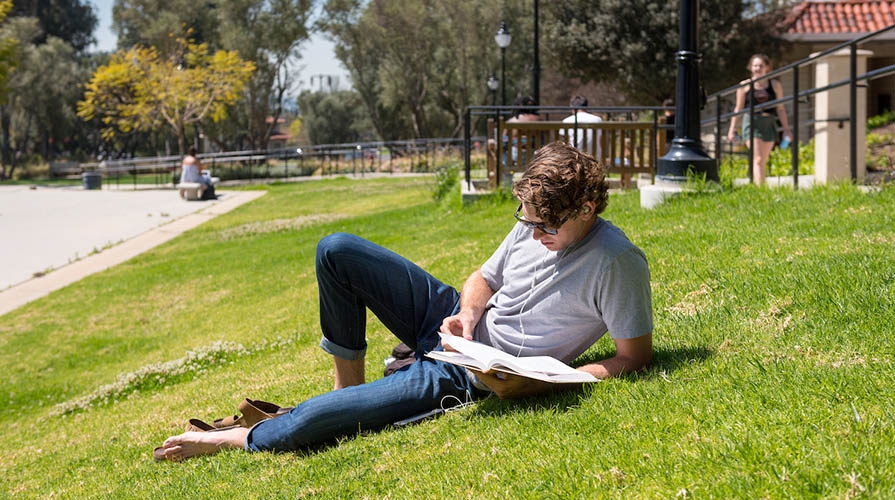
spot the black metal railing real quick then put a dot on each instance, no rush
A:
(416, 155)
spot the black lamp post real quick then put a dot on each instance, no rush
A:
(536, 63)
(686, 154)
(503, 39)
(493, 83)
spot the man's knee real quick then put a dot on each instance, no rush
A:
(334, 244)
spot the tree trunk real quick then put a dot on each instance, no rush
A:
(4, 148)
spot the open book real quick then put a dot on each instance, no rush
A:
(481, 357)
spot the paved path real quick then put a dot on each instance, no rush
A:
(70, 233)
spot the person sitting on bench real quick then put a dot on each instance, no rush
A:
(191, 172)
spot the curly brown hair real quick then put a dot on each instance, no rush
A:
(559, 180)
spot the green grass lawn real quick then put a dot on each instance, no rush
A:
(772, 376)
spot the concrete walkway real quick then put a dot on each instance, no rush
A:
(52, 237)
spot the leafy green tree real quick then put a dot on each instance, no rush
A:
(8, 62)
(631, 44)
(467, 54)
(418, 63)
(357, 47)
(8, 50)
(43, 91)
(70, 20)
(332, 117)
(139, 89)
(159, 23)
(38, 119)
(267, 34)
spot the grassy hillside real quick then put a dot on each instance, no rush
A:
(771, 378)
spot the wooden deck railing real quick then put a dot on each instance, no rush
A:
(623, 147)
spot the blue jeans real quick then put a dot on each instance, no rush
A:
(353, 275)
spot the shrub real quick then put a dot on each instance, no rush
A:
(447, 178)
(881, 120)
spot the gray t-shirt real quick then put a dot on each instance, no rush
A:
(559, 303)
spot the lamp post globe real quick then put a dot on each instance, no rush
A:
(503, 39)
(493, 84)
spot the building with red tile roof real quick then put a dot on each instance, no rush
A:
(816, 25)
(838, 19)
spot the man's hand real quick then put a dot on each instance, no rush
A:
(461, 324)
(473, 298)
(509, 386)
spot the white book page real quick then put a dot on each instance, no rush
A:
(534, 366)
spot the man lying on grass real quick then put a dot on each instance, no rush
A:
(561, 279)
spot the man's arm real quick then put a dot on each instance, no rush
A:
(473, 298)
(630, 355)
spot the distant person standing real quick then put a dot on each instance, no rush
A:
(763, 126)
(587, 141)
(191, 171)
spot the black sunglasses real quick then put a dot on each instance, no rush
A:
(535, 225)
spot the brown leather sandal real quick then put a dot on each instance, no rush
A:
(252, 410)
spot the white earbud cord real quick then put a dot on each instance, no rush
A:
(533, 286)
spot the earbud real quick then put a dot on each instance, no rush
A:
(587, 210)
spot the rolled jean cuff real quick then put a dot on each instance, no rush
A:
(246, 445)
(342, 352)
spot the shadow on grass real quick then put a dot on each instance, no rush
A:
(664, 361)
(669, 360)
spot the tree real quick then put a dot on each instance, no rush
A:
(139, 89)
(631, 44)
(331, 117)
(8, 46)
(267, 34)
(43, 90)
(418, 64)
(38, 116)
(8, 62)
(160, 23)
(68, 20)
(358, 49)
(37, 119)
(466, 55)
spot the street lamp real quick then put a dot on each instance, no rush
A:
(536, 63)
(686, 155)
(493, 83)
(503, 39)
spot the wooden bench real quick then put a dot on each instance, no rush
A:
(626, 148)
(64, 168)
(192, 191)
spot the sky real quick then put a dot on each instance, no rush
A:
(317, 56)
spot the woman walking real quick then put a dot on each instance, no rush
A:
(762, 126)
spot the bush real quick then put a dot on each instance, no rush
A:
(879, 152)
(780, 161)
(447, 179)
(881, 120)
(779, 164)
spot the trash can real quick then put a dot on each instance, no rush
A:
(92, 180)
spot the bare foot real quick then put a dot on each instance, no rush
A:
(194, 444)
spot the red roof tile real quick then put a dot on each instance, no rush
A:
(840, 16)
